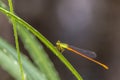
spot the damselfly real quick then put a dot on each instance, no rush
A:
(84, 53)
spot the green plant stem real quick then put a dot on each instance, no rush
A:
(45, 41)
(16, 39)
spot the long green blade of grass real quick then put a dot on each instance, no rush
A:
(45, 41)
(16, 39)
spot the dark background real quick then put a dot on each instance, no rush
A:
(88, 24)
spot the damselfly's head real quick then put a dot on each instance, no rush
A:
(61, 46)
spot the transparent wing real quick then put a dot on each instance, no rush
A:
(88, 53)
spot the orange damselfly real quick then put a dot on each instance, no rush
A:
(84, 53)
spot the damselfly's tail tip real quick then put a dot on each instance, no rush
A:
(106, 67)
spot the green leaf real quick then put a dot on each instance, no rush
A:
(8, 60)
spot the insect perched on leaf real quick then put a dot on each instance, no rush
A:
(84, 53)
